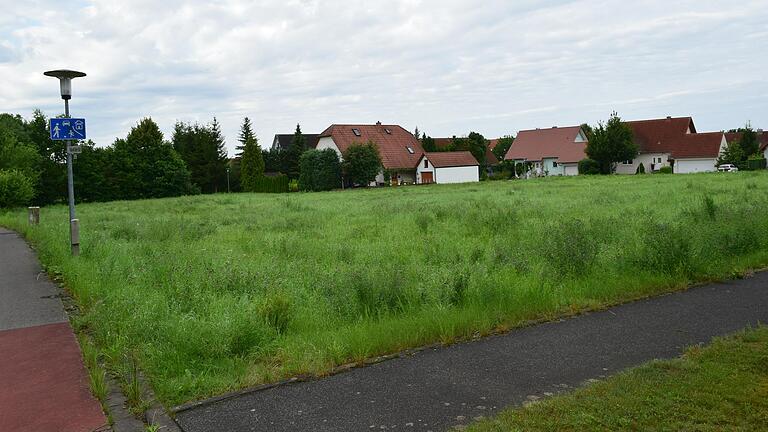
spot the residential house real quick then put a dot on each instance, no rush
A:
(400, 151)
(447, 167)
(283, 141)
(490, 159)
(673, 142)
(553, 151)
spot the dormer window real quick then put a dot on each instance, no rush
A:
(410, 150)
(356, 131)
(389, 132)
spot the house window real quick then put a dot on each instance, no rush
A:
(628, 162)
(410, 150)
(389, 132)
(554, 164)
(426, 163)
(356, 131)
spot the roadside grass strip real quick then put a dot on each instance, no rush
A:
(722, 386)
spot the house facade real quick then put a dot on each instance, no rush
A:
(554, 151)
(399, 150)
(673, 142)
(447, 167)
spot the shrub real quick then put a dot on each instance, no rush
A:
(320, 170)
(665, 170)
(276, 184)
(640, 169)
(293, 186)
(755, 162)
(16, 189)
(362, 163)
(589, 166)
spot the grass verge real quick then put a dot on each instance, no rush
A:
(723, 386)
(209, 294)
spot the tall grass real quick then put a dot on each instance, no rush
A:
(213, 293)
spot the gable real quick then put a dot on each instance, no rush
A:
(561, 143)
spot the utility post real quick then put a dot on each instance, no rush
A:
(68, 130)
(228, 168)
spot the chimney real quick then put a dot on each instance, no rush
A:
(378, 123)
(669, 117)
(554, 127)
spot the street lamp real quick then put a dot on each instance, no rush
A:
(227, 179)
(65, 82)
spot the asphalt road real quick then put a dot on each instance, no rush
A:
(436, 389)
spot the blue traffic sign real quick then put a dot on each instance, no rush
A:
(67, 128)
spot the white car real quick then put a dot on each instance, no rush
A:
(727, 168)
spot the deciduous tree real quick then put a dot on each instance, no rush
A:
(611, 142)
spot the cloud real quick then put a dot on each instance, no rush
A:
(447, 66)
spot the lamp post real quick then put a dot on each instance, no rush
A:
(65, 82)
(227, 179)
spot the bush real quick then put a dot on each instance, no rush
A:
(589, 166)
(16, 189)
(276, 184)
(362, 163)
(640, 169)
(755, 162)
(665, 170)
(320, 170)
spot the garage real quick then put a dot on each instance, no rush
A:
(447, 167)
(694, 165)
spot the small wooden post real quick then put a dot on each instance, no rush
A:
(74, 235)
(34, 215)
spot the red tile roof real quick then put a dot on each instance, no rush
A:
(537, 144)
(671, 135)
(698, 145)
(490, 158)
(393, 146)
(451, 159)
(493, 143)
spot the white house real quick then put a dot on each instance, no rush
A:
(447, 167)
(554, 151)
(673, 142)
(400, 151)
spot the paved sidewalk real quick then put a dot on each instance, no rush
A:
(43, 383)
(437, 389)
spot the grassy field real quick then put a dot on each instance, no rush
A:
(214, 293)
(723, 386)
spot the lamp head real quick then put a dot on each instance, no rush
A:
(65, 80)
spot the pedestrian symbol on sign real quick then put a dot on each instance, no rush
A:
(67, 129)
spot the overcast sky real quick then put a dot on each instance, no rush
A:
(446, 66)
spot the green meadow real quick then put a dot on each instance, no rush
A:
(218, 292)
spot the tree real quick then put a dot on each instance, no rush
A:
(610, 143)
(474, 143)
(146, 166)
(293, 153)
(362, 163)
(502, 146)
(428, 144)
(748, 141)
(320, 170)
(203, 151)
(252, 161)
(93, 172)
(640, 169)
(52, 183)
(733, 154)
(417, 134)
(16, 188)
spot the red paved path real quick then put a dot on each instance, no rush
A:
(43, 384)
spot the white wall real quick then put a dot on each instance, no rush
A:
(420, 169)
(685, 166)
(647, 159)
(571, 169)
(327, 142)
(463, 174)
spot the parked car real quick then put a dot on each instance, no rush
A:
(727, 168)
